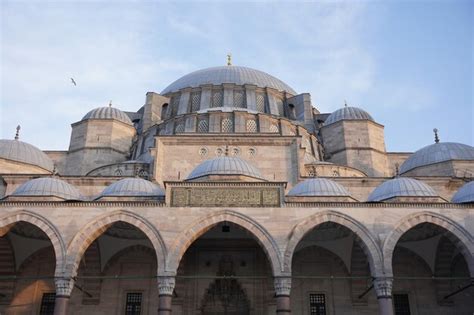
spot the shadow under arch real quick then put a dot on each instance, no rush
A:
(458, 235)
(6, 222)
(92, 230)
(202, 225)
(364, 237)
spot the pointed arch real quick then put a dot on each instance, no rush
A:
(201, 226)
(458, 235)
(365, 238)
(6, 222)
(98, 226)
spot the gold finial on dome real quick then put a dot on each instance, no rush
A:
(110, 103)
(17, 134)
(435, 130)
(229, 59)
(345, 103)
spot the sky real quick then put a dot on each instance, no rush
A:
(408, 63)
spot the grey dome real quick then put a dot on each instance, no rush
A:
(353, 113)
(465, 193)
(108, 113)
(225, 165)
(48, 186)
(23, 152)
(318, 187)
(436, 153)
(401, 187)
(137, 187)
(228, 74)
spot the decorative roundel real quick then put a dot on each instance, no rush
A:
(252, 152)
(235, 151)
(203, 151)
(220, 151)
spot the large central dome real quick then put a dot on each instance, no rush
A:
(228, 74)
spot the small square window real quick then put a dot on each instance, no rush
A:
(401, 304)
(47, 304)
(134, 304)
(317, 304)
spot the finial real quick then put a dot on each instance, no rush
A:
(17, 134)
(397, 169)
(55, 170)
(435, 130)
(110, 103)
(229, 59)
(345, 103)
(226, 151)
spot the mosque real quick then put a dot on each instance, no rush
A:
(230, 193)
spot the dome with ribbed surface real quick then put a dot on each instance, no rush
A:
(318, 187)
(48, 186)
(136, 187)
(351, 113)
(465, 193)
(228, 74)
(225, 165)
(23, 152)
(108, 113)
(401, 187)
(436, 153)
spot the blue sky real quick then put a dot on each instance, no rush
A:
(408, 63)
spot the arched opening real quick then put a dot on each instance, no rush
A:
(430, 272)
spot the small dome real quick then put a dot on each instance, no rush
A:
(48, 186)
(318, 187)
(465, 193)
(401, 187)
(23, 152)
(352, 113)
(436, 153)
(225, 165)
(137, 187)
(108, 113)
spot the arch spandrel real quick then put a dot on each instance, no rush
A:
(365, 238)
(202, 225)
(460, 237)
(98, 226)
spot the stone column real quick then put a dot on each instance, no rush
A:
(64, 288)
(383, 289)
(165, 291)
(282, 295)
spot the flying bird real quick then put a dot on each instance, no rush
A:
(73, 82)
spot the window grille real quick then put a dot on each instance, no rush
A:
(226, 125)
(261, 103)
(203, 126)
(274, 129)
(134, 304)
(217, 99)
(281, 110)
(174, 105)
(47, 304)
(179, 128)
(195, 101)
(317, 304)
(239, 99)
(251, 125)
(401, 304)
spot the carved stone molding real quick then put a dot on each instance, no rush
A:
(282, 286)
(166, 285)
(383, 287)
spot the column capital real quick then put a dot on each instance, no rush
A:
(64, 286)
(383, 287)
(282, 285)
(166, 285)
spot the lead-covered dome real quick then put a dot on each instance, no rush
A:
(318, 187)
(108, 112)
(228, 74)
(133, 187)
(401, 187)
(48, 187)
(348, 113)
(465, 193)
(19, 151)
(437, 153)
(225, 165)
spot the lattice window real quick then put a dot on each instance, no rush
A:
(239, 99)
(251, 125)
(174, 105)
(195, 101)
(274, 128)
(317, 304)
(261, 103)
(203, 126)
(47, 304)
(227, 126)
(134, 304)
(401, 304)
(312, 172)
(179, 128)
(164, 112)
(292, 132)
(216, 98)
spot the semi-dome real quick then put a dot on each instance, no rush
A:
(108, 112)
(225, 165)
(48, 187)
(436, 153)
(401, 187)
(347, 112)
(228, 74)
(136, 187)
(465, 193)
(318, 187)
(19, 151)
